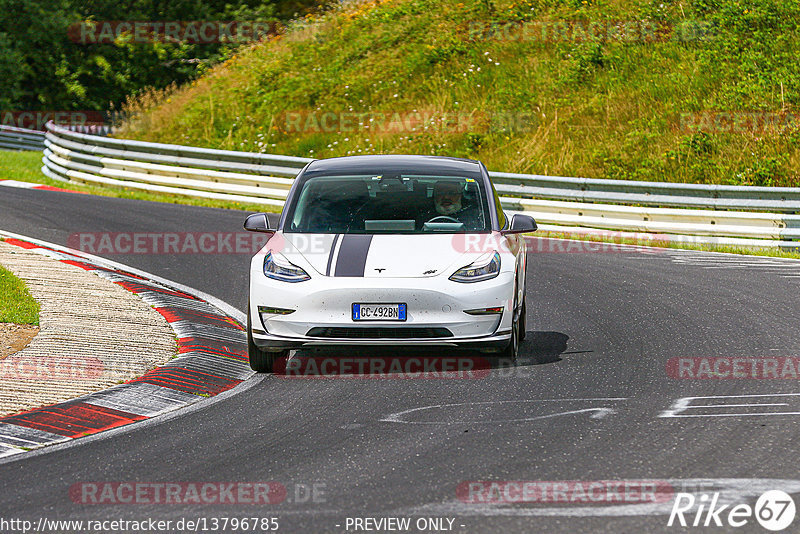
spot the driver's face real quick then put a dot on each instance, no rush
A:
(447, 198)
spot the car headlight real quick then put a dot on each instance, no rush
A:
(279, 268)
(479, 270)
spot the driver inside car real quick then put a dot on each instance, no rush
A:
(450, 205)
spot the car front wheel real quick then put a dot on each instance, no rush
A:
(261, 361)
(512, 350)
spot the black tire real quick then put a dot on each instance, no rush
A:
(522, 322)
(512, 350)
(261, 361)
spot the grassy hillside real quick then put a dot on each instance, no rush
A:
(689, 91)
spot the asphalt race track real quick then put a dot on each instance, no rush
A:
(590, 400)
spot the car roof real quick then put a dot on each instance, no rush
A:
(391, 164)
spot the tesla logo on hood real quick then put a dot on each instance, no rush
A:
(380, 270)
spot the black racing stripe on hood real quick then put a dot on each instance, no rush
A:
(330, 255)
(352, 258)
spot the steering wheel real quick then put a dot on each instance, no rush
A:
(446, 218)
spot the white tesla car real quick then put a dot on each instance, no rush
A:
(388, 250)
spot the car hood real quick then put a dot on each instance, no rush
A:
(376, 256)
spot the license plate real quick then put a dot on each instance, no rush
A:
(379, 312)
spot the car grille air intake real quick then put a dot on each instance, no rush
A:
(379, 332)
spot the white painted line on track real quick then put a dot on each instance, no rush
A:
(143, 399)
(18, 184)
(678, 407)
(597, 412)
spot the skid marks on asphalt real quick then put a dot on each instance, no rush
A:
(782, 267)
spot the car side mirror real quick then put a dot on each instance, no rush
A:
(257, 222)
(521, 224)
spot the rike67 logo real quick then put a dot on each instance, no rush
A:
(774, 510)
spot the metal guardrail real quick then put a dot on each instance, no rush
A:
(693, 210)
(12, 138)
(743, 197)
(218, 174)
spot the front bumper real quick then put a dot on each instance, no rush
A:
(270, 342)
(436, 305)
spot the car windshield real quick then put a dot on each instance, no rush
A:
(394, 204)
